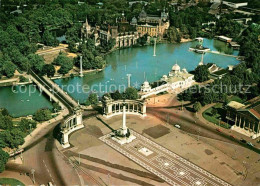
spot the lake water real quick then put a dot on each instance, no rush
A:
(137, 61)
(142, 65)
(22, 100)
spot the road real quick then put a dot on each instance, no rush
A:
(190, 124)
(49, 164)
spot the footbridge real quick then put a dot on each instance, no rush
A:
(72, 112)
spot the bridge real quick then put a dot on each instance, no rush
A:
(72, 112)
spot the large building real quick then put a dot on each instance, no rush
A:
(153, 25)
(245, 119)
(122, 32)
(177, 80)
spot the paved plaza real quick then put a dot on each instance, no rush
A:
(167, 165)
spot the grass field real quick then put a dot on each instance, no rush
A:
(216, 119)
(10, 181)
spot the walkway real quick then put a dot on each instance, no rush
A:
(167, 165)
(216, 52)
(55, 49)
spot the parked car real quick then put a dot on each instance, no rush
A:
(177, 126)
(218, 130)
(242, 140)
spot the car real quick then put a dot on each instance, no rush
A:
(242, 140)
(218, 130)
(250, 144)
(177, 126)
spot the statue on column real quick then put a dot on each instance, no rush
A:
(123, 134)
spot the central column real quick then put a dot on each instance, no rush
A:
(124, 121)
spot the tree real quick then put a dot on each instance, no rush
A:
(4, 156)
(6, 122)
(99, 62)
(65, 63)
(4, 112)
(92, 99)
(42, 115)
(201, 73)
(22, 79)
(49, 70)
(214, 111)
(196, 106)
(36, 62)
(142, 40)
(26, 124)
(12, 138)
(116, 95)
(56, 107)
(9, 69)
(130, 93)
(49, 40)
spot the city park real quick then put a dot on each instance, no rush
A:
(121, 136)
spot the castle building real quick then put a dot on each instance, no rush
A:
(124, 34)
(152, 25)
(86, 30)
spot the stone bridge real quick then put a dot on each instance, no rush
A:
(71, 113)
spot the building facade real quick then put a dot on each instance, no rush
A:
(245, 119)
(153, 25)
(177, 80)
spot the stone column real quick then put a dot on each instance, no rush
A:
(144, 109)
(124, 122)
(243, 124)
(239, 121)
(109, 109)
(253, 128)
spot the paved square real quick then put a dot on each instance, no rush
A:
(165, 164)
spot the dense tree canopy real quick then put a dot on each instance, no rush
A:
(64, 62)
(3, 159)
(42, 115)
(201, 73)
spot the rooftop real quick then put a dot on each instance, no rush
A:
(235, 105)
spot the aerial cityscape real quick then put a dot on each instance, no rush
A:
(123, 92)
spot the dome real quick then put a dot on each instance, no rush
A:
(184, 70)
(146, 83)
(176, 67)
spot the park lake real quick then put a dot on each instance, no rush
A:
(137, 61)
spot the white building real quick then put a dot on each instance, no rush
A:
(176, 78)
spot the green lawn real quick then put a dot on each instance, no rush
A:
(215, 119)
(10, 181)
